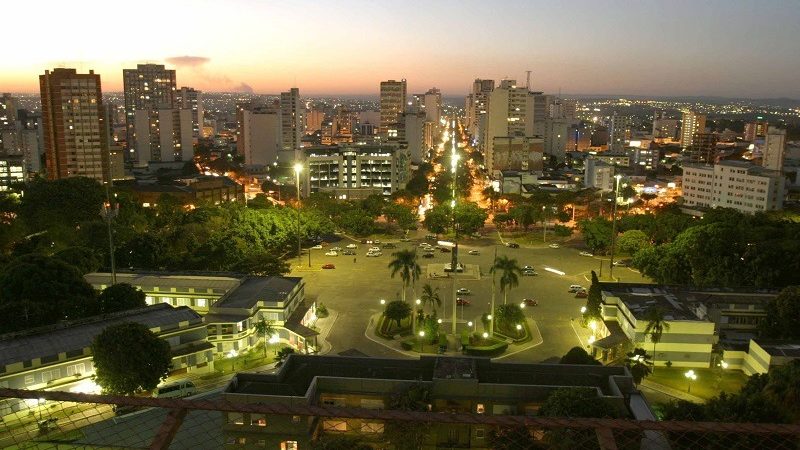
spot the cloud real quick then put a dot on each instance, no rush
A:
(243, 87)
(187, 61)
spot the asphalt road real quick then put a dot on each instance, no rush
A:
(355, 289)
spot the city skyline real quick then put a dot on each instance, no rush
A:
(347, 48)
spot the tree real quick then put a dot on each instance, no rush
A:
(63, 203)
(437, 219)
(469, 217)
(403, 216)
(577, 355)
(397, 311)
(339, 442)
(405, 263)
(510, 272)
(430, 296)
(512, 438)
(38, 290)
(783, 315)
(525, 214)
(265, 328)
(508, 316)
(577, 402)
(262, 264)
(594, 300)
(120, 297)
(120, 371)
(632, 241)
(596, 233)
(639, 363)
(82, 258)
(656, 325)
(283, 355)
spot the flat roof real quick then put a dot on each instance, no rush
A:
(220, 283)
(297, 374)
(789, 349)
(77, 335)
(270, 290)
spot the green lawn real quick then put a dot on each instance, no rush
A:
(707, 385)
(245, 361)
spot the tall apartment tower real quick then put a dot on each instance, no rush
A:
(509, 114)
(619, 132)
(476, 107)
(774, 148)
(190, 98)
(259, 134)
(393, 101)
(433, 105)
(148, 87)
(8, 109)
(692, 123)
(75, 136)
(163, 135)
(292, 123)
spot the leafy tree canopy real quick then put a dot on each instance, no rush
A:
(118, 370)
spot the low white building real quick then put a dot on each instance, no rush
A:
(733, 184)
(355, 171)
(598, 174)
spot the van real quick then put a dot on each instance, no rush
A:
(575, 288)
(178, 389)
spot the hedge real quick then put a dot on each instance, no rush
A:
(490, 350)
(407, 345)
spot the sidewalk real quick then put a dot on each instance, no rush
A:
(675, 393)
(324, 326)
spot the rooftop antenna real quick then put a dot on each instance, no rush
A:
(528, 80)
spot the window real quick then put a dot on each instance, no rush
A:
(334, 425)
(201, 303)
(371, 427)
(480, 433)
(295, 419)
(75, 369)
(334, 401)
(370, 403)
(259, 420)
(289, 445)
(480, 409)
(29, 379)
(236, 418)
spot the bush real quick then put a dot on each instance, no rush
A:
(407, 345)
(561, 230)
(489, 350)
(322, 311)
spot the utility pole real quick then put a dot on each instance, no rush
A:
(297, 169)
(109, 212)
(454, 258)
(614, 225)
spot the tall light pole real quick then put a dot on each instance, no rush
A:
(297, 169)
(544, 225)
(614, 224)
(454, 259)
(109, 212)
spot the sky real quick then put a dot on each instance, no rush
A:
(731, 48)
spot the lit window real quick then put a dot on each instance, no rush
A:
(289, 445)
(480, 408)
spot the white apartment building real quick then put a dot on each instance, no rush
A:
(619, 132)
(260, 136)
(510, 113)
(433, 105)
(190, 98)
(393, 103)
(733, 184)
(476, 107)
(691, 123)
(414, 135)
(163, 135)
(774, 149)
(147, 87)
(292, 123)
(355, 171)
(598, 174)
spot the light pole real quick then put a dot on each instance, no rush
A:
(544, 225)
(109, 212)
(414, 317)
(421, 341)
(454, 259)
(614, 226)
(690, 376)
(297, 169)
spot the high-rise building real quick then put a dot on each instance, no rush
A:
(691, 124)
(314, 119)
(619, 131)
(393, 103)
(703, 149)
(739, 185)
(163, 135)
(292, 124)
(190, 98)
(413, 133)
(351, 171)
(433, 105)
(664, 129)
(476, 107)
(75, 137)
(774, 149)
(259, 135)
(8, 110)
(148, 87)
(754, 130)
(510, 114)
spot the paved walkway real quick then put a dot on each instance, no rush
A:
(324, 326)
(671, 392)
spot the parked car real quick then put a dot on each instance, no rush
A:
(474, 252)
(573, 288)
(349, 252)
(317, 247)
(427, 255)
(121, 410)
(581, 294)
(353, 246)
(527, 268)
(529, 302)
(529, 273)
(463, 291)
(584, 253)
(374, 254)
(336, 249)
(177, 389)
(462, 301)
(376, 241)
(512, 245)
(374, 249)
(444, 249)
(430, 237)
(554, 245)
(328, 266)
(331, 253)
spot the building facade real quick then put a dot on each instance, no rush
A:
(74, 127)
(356, 171)
(774, 149)
(259, 137)
(733, 184)
(163, 135)
(598, 174)
(393, 103)
(475, 105)
(147, 87)
(691, 123)
(192, 99)
(292, 123)
(509, 114)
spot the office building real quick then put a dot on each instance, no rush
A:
(739, 185)
(8, 109)
(192, 99)
(457, 385)
(755, 130)
(509, 114)
(292, 123)
(476, 108)
(598, 174)
(556, 136)
(259, 137)
(518, 153)
(665, 129)
(774, 149)
(148, 87)
(691, 124)
(619, 132)
(433, 105)
(314, 119)
(393, 104)
(353, 171)
(163, 136)
(75, 137)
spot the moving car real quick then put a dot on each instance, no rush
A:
(183, 388)
(331, 253)
(573, 288)
(462, 301)
(512, 245)
(529, 272)
(352, 246)
(554, 245)
(374, 249)
(328, 266)
(581, 294)
(584, 253)
(444, 249)
(317, 247)
(474, 252)
(463, 291)
(527, 268)
(427, 255)
(529, 302)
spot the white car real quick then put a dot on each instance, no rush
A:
(573, 288)
(554, 246)
(374, 254)
(586, 254)
(317, 247)
(463, 291)
(336, 249)
(332, 253)
(351, 246)
(374, 249)
(474, 252)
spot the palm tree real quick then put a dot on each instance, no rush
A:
(638, 362)
(264, 328)
(430, 296)
(656, 325)
(405, 263)
(510, 272)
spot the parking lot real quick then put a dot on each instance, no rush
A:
(357, 284)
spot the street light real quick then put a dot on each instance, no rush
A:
(485, 335)
(544, 225)
(297, 169)
(519, 327)
(614, 224)
(383, 302)
(583, 310)
(473, 325)
(690, 376)
(522, 305)
(421, 341)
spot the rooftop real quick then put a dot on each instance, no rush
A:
(219, 282)
(78, 335)
(790, 349)
(270, 290)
